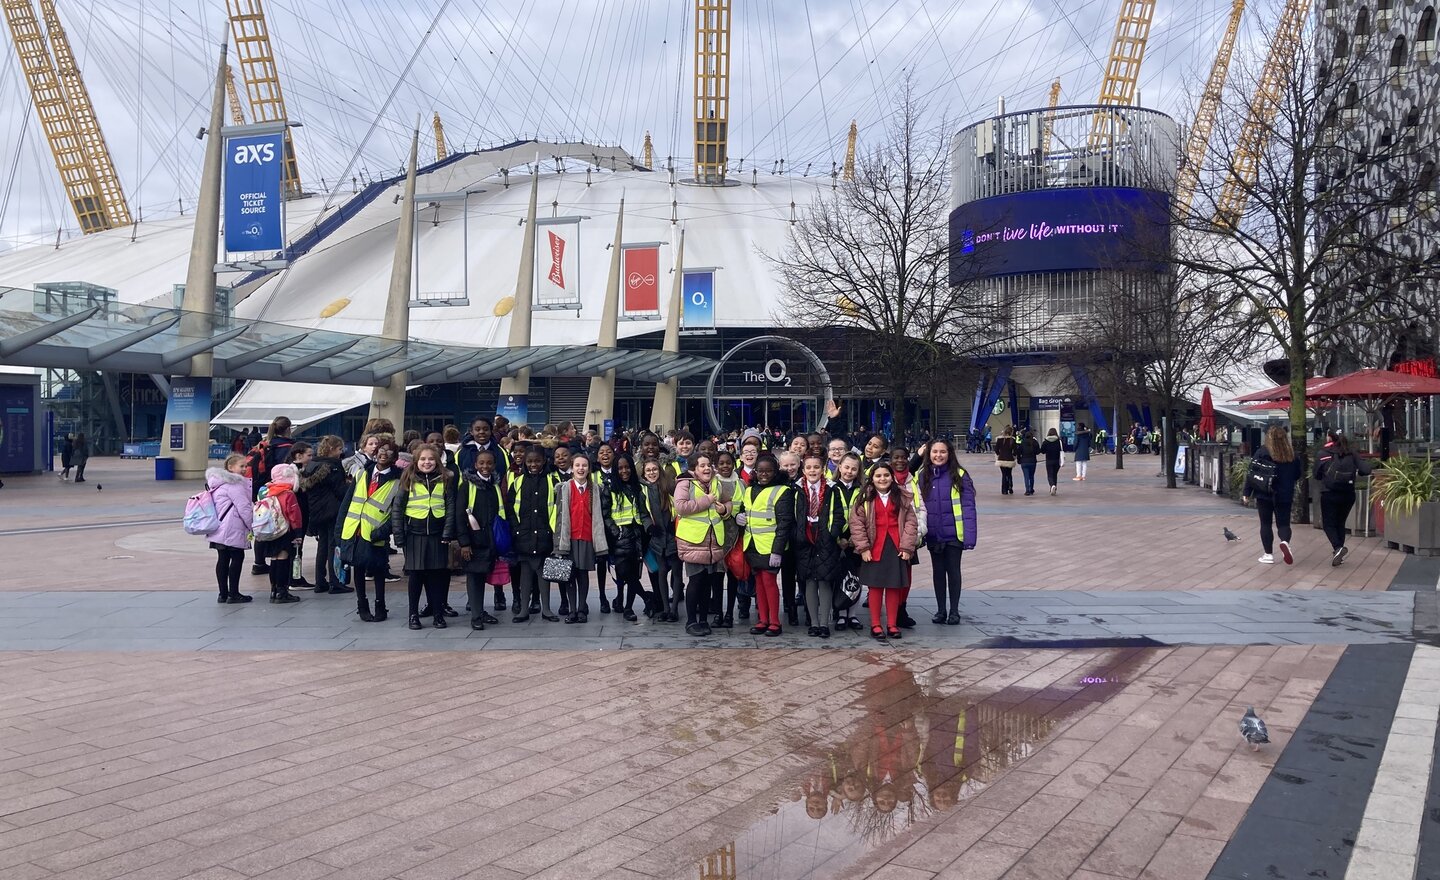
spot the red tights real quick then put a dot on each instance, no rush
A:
(767, 599)
(890, 597)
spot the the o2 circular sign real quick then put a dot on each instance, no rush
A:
(794, 371)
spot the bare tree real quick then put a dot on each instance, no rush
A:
(1316, 245)
(874, 257)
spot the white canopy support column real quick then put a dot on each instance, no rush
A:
(600, 405)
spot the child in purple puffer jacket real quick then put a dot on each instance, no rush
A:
(232, 505)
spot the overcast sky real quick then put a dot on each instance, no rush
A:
(600, 70)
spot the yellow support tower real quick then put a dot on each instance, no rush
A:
(77, 174)
(237, 111)
(262, 79)
(1122, 72)
(849, 172)
(88, 127)
(1204, 123)
(1049, 120)
(712, 90)
(1264, 105)
(440, 151)
(648, 152)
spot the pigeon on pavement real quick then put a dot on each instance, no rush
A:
(1253, 729)
(1229, 535)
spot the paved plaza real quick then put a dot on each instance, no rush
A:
(1082, 721)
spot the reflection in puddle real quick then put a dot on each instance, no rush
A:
(917, 752)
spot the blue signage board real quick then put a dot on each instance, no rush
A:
(1060, 229)
(608, 432)
(189, 400)
(514, 407)
(697, 309)
(17, 428)
(254, 172)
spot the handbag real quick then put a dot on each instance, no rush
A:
(746, 588)
(456, 560)
(1000, 462)
(736, 563)
(557, 569)
(849, 592)
(502, 537)
(652, 562)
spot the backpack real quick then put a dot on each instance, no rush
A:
(1341, 472)
(257, 465)
(201, 517)
(267, 519)
(1261, 480)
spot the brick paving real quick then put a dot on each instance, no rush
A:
(903, 762)
(1120, 763)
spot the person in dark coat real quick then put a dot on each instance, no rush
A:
(324, 488)
(1027, 455)
(532, 509)
(1273, 502)
(626, 512)
(1335, 470)
(667, 580)
(80, 456)
(67, 455)
(819, 525)
(479, 502)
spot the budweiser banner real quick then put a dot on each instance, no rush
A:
(557, 263)
(640, 275)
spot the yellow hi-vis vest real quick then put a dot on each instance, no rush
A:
(499, 498)
(955, 506)
(623, 511)
(692, 529)
(426, 502)
(760, 520)
(367, 511)
(551, 487)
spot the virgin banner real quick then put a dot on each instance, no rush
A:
(640, 274)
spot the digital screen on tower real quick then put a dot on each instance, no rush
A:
(1058, 229)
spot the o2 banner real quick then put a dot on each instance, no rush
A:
(254, 174)
(514, 407)
(697, 309)
(640, 273)
(557, 263)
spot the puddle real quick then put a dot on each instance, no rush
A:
(920, 748)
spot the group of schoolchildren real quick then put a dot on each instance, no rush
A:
(684, 524)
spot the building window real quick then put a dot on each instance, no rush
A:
(1362, 22)
(1382, 14)
(1351, 110)
(1342, 47)
(1425, 194)
(1399, 55)
(1332, 8)
(1425, 36)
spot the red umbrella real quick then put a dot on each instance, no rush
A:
(1378, 383)
(1207, 415)
(1282, 392)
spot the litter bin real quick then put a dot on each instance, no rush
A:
(164, 469)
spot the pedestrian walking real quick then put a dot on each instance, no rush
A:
(80, 456)
(67, 456)
(1083, 442)
(1005, 449)
(231, 492)
(947, 495)
(884, 530)
(1336, 470)
(1027, 454)
(1054, 452)
(1270, 480)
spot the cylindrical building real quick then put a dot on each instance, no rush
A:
(1058, 217)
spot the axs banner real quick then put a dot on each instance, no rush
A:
(254, 170)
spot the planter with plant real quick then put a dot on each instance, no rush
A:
(1409, 491)
(1239, 469)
